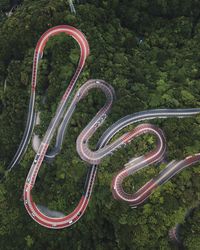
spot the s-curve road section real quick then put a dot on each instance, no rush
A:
(55, 219)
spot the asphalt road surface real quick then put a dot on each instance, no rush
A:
(55, 219)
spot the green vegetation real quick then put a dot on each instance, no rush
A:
(149, 51)
(190, 230)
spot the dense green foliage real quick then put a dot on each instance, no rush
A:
(149, 51)
(190, 230)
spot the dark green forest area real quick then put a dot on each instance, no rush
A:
(149, 51)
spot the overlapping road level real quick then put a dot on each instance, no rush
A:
(60, 122)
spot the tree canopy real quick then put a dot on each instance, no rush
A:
(149, 51)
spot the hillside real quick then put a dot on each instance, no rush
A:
(149, 51)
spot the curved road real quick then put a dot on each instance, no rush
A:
(54, 219)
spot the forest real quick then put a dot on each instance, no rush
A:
(149, 51)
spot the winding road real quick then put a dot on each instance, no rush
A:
(64, 112)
